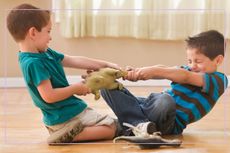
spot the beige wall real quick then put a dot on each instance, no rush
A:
(123, 51)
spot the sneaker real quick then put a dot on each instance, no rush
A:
(142, 129)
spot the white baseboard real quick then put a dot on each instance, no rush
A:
(14, 82)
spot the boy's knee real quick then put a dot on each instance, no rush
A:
(164, 106)
(168, 101)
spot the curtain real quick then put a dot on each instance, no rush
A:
(142, 19)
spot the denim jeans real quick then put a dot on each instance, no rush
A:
(159, 108)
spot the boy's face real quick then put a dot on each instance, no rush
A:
(43, 37)
(198, 62)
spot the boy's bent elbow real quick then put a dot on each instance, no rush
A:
(49, 95)
(48, 100)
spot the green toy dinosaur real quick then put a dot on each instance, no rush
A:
(105, 78)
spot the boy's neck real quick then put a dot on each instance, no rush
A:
(25, 46)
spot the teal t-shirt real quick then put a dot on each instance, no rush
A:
(37, 67)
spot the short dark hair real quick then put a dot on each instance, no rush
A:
(21, 18)
(210, 43)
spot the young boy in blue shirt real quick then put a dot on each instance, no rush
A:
(194, 91)
(66, 117)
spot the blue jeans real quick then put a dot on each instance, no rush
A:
(159, 108)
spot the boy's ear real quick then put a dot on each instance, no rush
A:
(219, 59)
(32, 32)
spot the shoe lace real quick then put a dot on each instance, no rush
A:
(140, 133)
(136, 130)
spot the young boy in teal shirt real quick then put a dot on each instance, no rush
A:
(67, 118)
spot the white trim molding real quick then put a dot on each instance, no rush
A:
(15, 82)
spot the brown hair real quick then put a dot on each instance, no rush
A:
(23, 17)
(210, 43)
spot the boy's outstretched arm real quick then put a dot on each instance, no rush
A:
(82, 62)
(174, 74)
(52, 95)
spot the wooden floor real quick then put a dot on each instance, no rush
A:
(22, 131)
